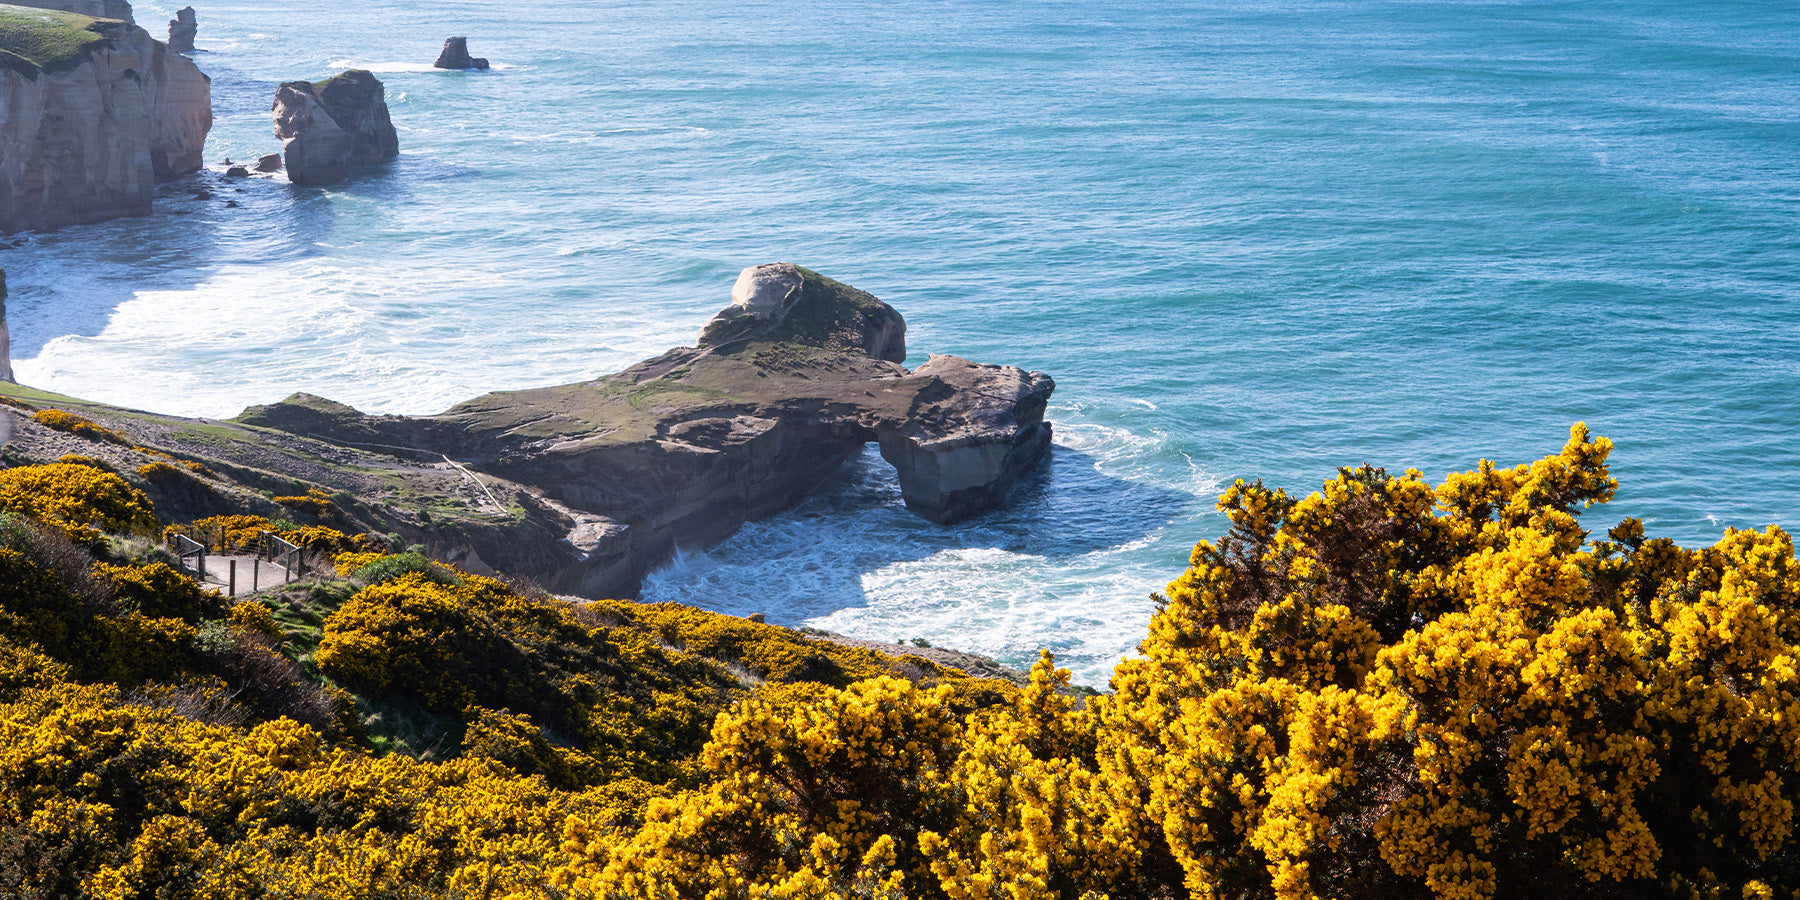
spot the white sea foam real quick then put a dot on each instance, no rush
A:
(1070, 569)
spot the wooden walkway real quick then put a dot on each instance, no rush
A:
(252, 575)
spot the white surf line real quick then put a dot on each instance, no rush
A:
(501, 510)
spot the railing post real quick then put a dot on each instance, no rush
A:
(231, 586)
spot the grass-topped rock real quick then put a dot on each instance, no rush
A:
(46, 40)
(96, 112)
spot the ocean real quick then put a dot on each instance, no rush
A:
(1248, 239)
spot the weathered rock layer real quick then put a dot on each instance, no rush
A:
(96, 113)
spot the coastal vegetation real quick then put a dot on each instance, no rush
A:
(77, 425)
(1386, 688)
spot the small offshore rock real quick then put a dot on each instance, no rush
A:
(269, 163)
(182, 29)
(231, 204)
(455, 55)
(237, 172)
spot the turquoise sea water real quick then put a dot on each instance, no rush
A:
(1249, 239)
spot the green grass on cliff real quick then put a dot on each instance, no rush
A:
(45, 39)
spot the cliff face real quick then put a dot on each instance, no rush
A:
(5, 336)
(96, 113)
(180, 101)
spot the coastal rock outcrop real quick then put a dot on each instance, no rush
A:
(455, 55)
(330, 127)
(182, 30)
(584, 488)
(788, 383)
(96, 113)
(763, 297)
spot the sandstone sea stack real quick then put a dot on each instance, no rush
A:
(329, 128)
(455, 55)
(96, 112)
(182, 30)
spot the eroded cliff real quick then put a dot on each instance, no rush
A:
(96, 113)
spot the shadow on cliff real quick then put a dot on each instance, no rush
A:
(810, 561)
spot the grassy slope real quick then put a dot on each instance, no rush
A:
(46, 39)
(249, 461)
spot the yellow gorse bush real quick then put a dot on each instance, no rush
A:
(80, 426)
(80, 500)
(313, 501)
(243, 534)
(1386, 688)
(212, 811)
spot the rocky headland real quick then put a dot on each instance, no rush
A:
(329, 128)
(586, 487)
(97, 112)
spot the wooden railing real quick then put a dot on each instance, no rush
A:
(190, 555)
(278, 549)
